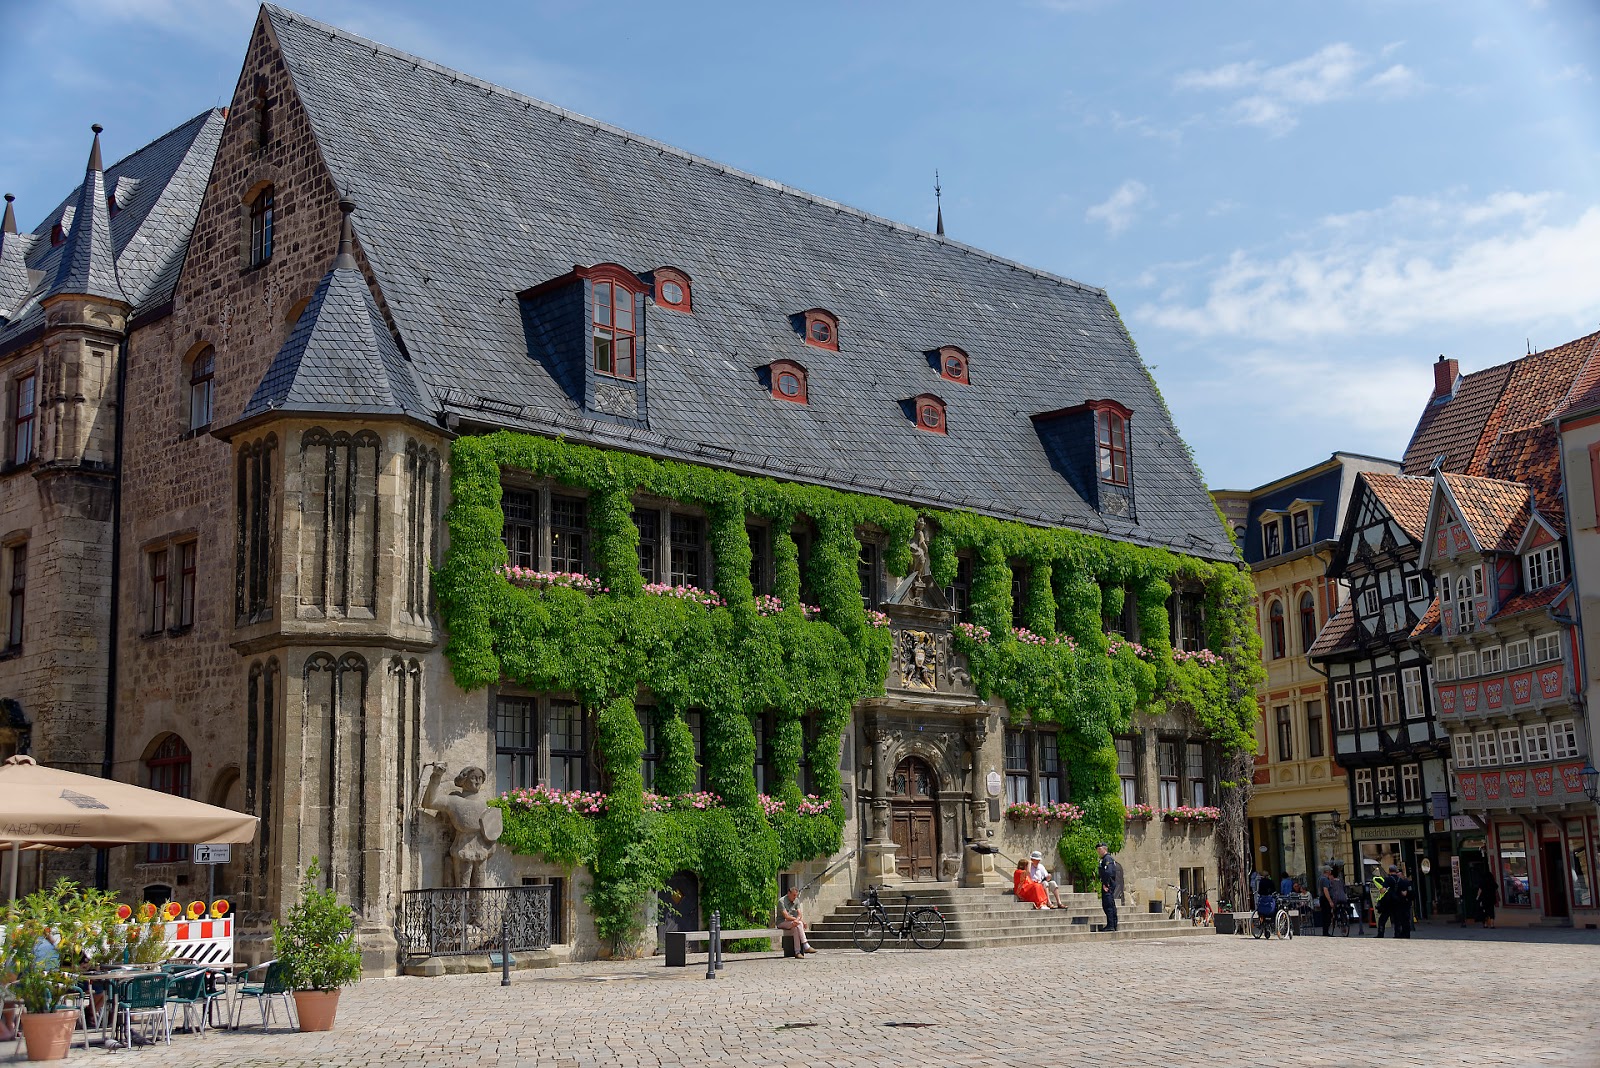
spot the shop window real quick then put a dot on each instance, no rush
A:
(1315, 738)
(1168, 769)
(1580, 866)
(1127, 771)
(1016, 766)
(1512, 843)
(516, 743)
(167, 771)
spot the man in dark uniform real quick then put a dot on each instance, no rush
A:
(1401, 889)
(1110, 875)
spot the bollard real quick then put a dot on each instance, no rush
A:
(711, 946)
(719, 939)
(505, 951)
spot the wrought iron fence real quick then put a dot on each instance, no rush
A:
(457, 920)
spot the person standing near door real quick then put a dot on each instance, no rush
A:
(1110, 875)
(1399, 899)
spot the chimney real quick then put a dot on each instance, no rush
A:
(1445, 373)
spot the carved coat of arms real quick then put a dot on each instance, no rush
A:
(917, 660)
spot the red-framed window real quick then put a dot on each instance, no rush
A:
(673, 290)
(263, 214)
(1111, 440)
(928, 411)
(822, 329)
(789, 382)
(953, 365)
(168, 772)
(23, 399)
(614, 326)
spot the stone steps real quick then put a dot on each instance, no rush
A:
(986, 918)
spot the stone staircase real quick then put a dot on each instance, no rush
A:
(977, 918)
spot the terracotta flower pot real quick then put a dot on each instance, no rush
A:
(48, 1034)
(316, 1008)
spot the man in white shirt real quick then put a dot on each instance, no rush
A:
(1041, 875)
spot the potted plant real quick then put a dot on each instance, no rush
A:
(316, 940)
(46, 932)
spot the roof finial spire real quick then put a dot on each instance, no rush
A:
(347, 253)
(938, 206)
(94, 153)
(8, 225)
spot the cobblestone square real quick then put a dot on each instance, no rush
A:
(1447, 997)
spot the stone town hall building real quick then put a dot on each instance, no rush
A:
(227, 442)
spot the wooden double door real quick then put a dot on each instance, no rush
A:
(914, 820)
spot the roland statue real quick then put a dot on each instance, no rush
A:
(474, 825)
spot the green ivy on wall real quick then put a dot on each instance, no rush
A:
(732, 664)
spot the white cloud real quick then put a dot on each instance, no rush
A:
(1575, 72)
(1273, 96)
(1118, 210)
(1417, 264)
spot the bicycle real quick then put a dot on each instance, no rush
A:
(925, 926)
(1190, 905)
(1271, 917)
(1341, 918)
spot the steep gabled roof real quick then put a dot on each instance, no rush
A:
(1405, 498)
(340, 357)
(1429, 621)
(1496, 512)
(1451, 428)
(1529, 602)
(1337, 634)
(15, 283)
(1584, 396)
(472, 194)
(148, 235)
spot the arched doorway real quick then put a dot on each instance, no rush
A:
(914, 821)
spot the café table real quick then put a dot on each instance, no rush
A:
(116, 977)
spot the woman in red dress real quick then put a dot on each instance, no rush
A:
(1025, 888)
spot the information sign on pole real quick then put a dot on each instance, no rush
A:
(212, 854)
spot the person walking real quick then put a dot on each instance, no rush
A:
(1325, 899)
(1110, 875)
(1400, 891)
(1487, 893)
(1381, 902)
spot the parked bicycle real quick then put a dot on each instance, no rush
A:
(924, 925)
(1193, 906)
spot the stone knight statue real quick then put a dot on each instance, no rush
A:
(474, 825)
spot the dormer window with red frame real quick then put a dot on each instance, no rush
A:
(613, 328)
(953, 365)
(928, 411)
(672, 290)
(789, 381)
(822, 329)
(1111, 440)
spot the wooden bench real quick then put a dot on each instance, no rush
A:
(678, 942)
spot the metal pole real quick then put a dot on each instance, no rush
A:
(16, 862)
(711, 947)
(719, 940)
(505, 950)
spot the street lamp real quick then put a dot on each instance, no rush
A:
(1591, 781)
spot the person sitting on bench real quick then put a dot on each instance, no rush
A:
(789, 920)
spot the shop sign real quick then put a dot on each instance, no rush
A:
(1464, 823)
(1441, 804)
(1455, 876)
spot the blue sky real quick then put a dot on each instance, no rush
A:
(1296, 206)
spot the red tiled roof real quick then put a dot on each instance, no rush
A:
(1429, 620)
(1527, 602)
(1451, 429)
(1337, 633)
(1497, 511)
(1585, 393)
(1406, 498)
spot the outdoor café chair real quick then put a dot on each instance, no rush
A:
(188, 988)
(145, 998)
(275, 984)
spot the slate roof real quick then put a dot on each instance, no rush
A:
(1405, 498)
(340, 356)
(14, 281)
(1337, 633)
(471, 194)
(1496, 511)
(87, 264)
(159, 191)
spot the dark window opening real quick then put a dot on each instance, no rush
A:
(569, 533)
(867, 574)
(516, 743)
(1302, 529)
(18, 595)
(168, 773)
(1052, 783)
(688, 551)
(1285, 733)
(1278, 638)
(521, 529)
(1308, 621)
(760, 560)
(648, 520)
(1019, 592)
(158, 591)
(201, 372)
(568, 754)
(652, 752)
(959, 592)
(22, 423)
(1016, 767)
(262, 212)
(1314, 729)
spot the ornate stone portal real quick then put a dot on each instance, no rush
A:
(475, 827)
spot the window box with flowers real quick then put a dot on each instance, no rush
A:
(1140, 813)
(1062, 811)
(1203, 814)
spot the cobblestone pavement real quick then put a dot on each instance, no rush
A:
(1447, 997)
